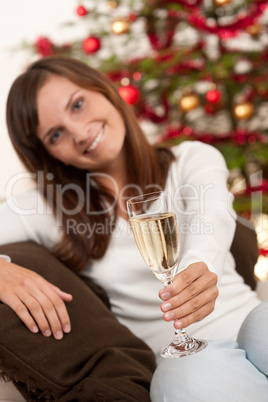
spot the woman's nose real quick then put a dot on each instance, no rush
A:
(79, 137)
(78, 133)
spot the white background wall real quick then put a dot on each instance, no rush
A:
(25, 20)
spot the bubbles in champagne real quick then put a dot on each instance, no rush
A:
(157, 239)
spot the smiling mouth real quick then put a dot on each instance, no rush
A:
(95, 142)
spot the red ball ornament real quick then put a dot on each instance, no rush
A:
(91, 45)
(44, 46)
(132, 17)
(213, 96)
(81, 11)
(129, 93)
(212, 108)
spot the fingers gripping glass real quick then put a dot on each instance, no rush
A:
(154, 226)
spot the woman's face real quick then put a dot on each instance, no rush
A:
(79, 127)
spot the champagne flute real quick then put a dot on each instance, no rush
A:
(154, 226)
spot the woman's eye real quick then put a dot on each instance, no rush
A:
(77, 105)
(55, 136)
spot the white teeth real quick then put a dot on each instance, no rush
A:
(96, 141)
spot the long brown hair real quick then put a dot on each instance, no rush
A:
(146, 164)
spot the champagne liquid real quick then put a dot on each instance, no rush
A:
(158, 241)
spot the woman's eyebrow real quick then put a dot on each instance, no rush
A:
(71, 99)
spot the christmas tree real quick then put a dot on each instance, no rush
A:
(192, 70)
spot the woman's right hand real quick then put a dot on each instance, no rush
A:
(38, 303)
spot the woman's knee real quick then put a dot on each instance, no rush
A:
(219, 373)
(253, 337)
(257, 319)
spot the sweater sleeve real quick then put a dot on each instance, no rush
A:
(27, 217)
(204, 206)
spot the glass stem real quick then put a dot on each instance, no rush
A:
(168, 281)
(180, 334)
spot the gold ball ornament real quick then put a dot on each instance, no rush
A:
(220, 3)
(113, 3)
(244, 111)
(254, 30)
(120, 27)
(189, 102)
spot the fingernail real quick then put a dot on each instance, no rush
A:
(35, 329)
(47, 332)
(66, 328)
(58, 335)
(165, 296)
(169, 316)
(166, 306)
(178, 324)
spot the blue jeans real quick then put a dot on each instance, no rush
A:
(226, 371)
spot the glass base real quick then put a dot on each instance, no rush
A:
(183, 348)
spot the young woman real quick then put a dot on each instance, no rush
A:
(84, 147)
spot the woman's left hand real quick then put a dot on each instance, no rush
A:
(191, 296)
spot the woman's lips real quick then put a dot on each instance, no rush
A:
(95, 142)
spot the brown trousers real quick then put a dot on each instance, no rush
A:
(99, 360)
